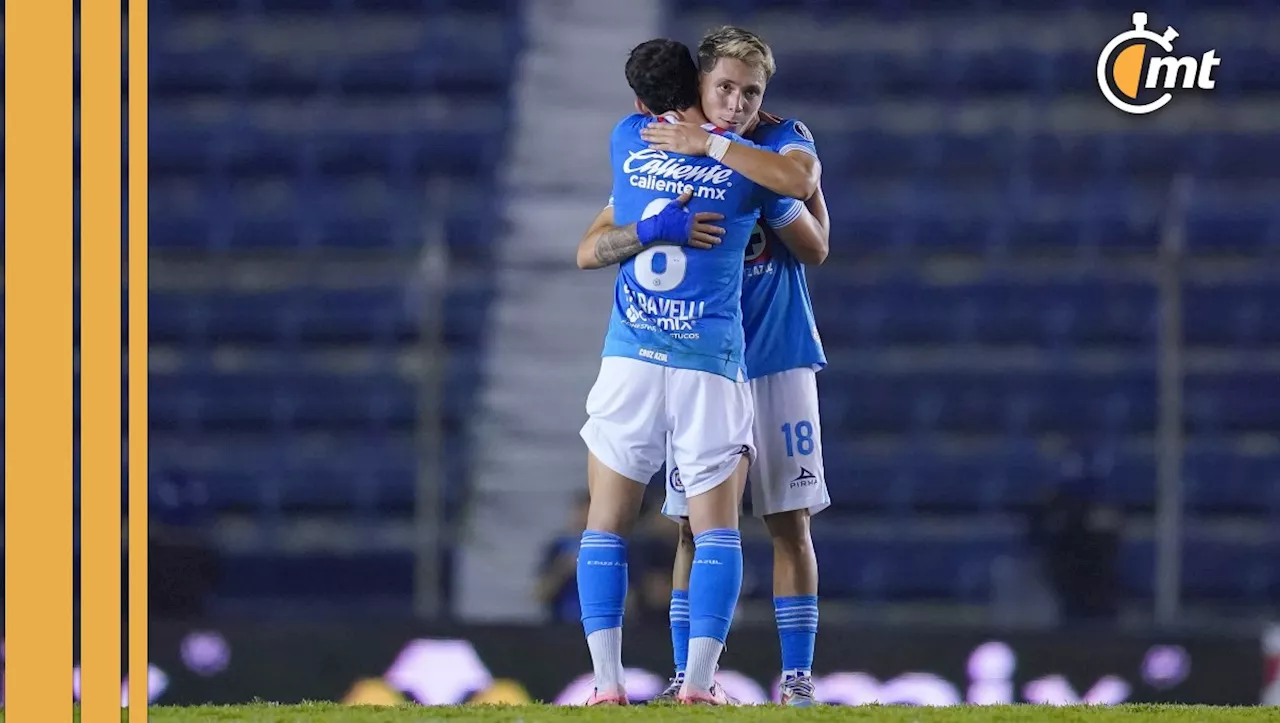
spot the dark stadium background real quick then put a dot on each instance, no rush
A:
(1051, 327)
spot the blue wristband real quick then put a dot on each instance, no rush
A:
(672, 225)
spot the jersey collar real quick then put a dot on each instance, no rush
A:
(708, 127)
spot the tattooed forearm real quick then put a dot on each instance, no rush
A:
(617, 244)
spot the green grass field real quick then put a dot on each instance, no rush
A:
(333, 713)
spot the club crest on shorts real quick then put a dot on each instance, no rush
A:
(674, 480)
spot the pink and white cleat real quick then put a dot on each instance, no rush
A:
(617, 697)
(715, 696)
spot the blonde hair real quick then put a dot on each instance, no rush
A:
(739, 44)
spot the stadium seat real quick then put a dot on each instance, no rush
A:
(283, 397)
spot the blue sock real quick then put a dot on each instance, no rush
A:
(680, 628)
(797, 618)
(602, 580)
(714, 583)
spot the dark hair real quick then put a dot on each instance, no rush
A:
(663, 75)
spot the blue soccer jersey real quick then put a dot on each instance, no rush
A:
(677, 306)
(777, 314)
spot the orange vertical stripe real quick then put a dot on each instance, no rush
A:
(138, 362)
(100, 362)
(38, 360)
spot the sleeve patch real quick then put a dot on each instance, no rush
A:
(804, 131)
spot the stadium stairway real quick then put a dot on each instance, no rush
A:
(549, 317)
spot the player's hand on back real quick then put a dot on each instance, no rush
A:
(685, 138)
(704, 234)
(674, 224)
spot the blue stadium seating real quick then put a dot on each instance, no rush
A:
(288, 472)
(1010, 477)
(1239, 572)
(270, 142)
(901, 568)
(331, 578)
(912, 567)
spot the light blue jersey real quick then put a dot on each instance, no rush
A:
(675, 306)
(777, 315)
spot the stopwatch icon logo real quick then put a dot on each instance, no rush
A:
(1123, 60)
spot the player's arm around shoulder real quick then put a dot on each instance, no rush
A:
(808, 236)
(589, 247)
(812, 241)
(794, 141)
(794, 174)
(606, 243)
(804, 228)
(781, 174)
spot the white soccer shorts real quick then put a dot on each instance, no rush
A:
(787, 473)
(635, 407)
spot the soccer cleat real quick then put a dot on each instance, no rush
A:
(715, 696)
(617, 697)
(671, 692)
(797, 691)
